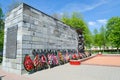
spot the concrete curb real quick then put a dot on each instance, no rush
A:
(84, 59)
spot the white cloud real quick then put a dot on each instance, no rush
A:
(80, 7)
(91, 7)
(102, 21)
(96, 24)
(91, 23)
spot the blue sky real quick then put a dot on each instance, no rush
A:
(95, 12)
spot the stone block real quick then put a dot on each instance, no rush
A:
(19, 46)
(14, 65)
(7, 24)
(19, 66)
(26, 25)
(26, 42)
(10, 16)
(26, 46)
(20, 24)
(26, 51)
(9, 64)
(26, 31)
(27, 37)
(4, 63)
(16, 71)
(19, 55)
(19, 39)
(19, 11)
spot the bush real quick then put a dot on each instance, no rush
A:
(112, 51)
(0, 59)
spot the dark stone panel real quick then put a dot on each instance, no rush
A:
(11, 44)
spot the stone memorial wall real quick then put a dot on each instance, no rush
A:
(12, 53)
(34, 30)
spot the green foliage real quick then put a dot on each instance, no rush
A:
(1, 13)
(113, 31)
(103, 36)
(100, 37)
(97, 38)
(1, 19)
(76, 21)
(1, 39)
(1, 59)
(1, 29)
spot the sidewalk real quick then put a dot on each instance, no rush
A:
(10, 76)
(69, 72)
(82, 72)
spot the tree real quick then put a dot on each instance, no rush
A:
(1, 39)
(103, 36)
(100, 37)
(113, 31)
(97, 38)
(76, 21)
(1, 29)
(1, 19)
(95, 31)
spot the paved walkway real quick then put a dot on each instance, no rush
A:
(82, 72)
(10, 76)
(69, 72)
(104, 60)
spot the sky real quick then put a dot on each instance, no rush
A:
(96, 13)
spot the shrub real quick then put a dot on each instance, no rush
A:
(0, 59)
